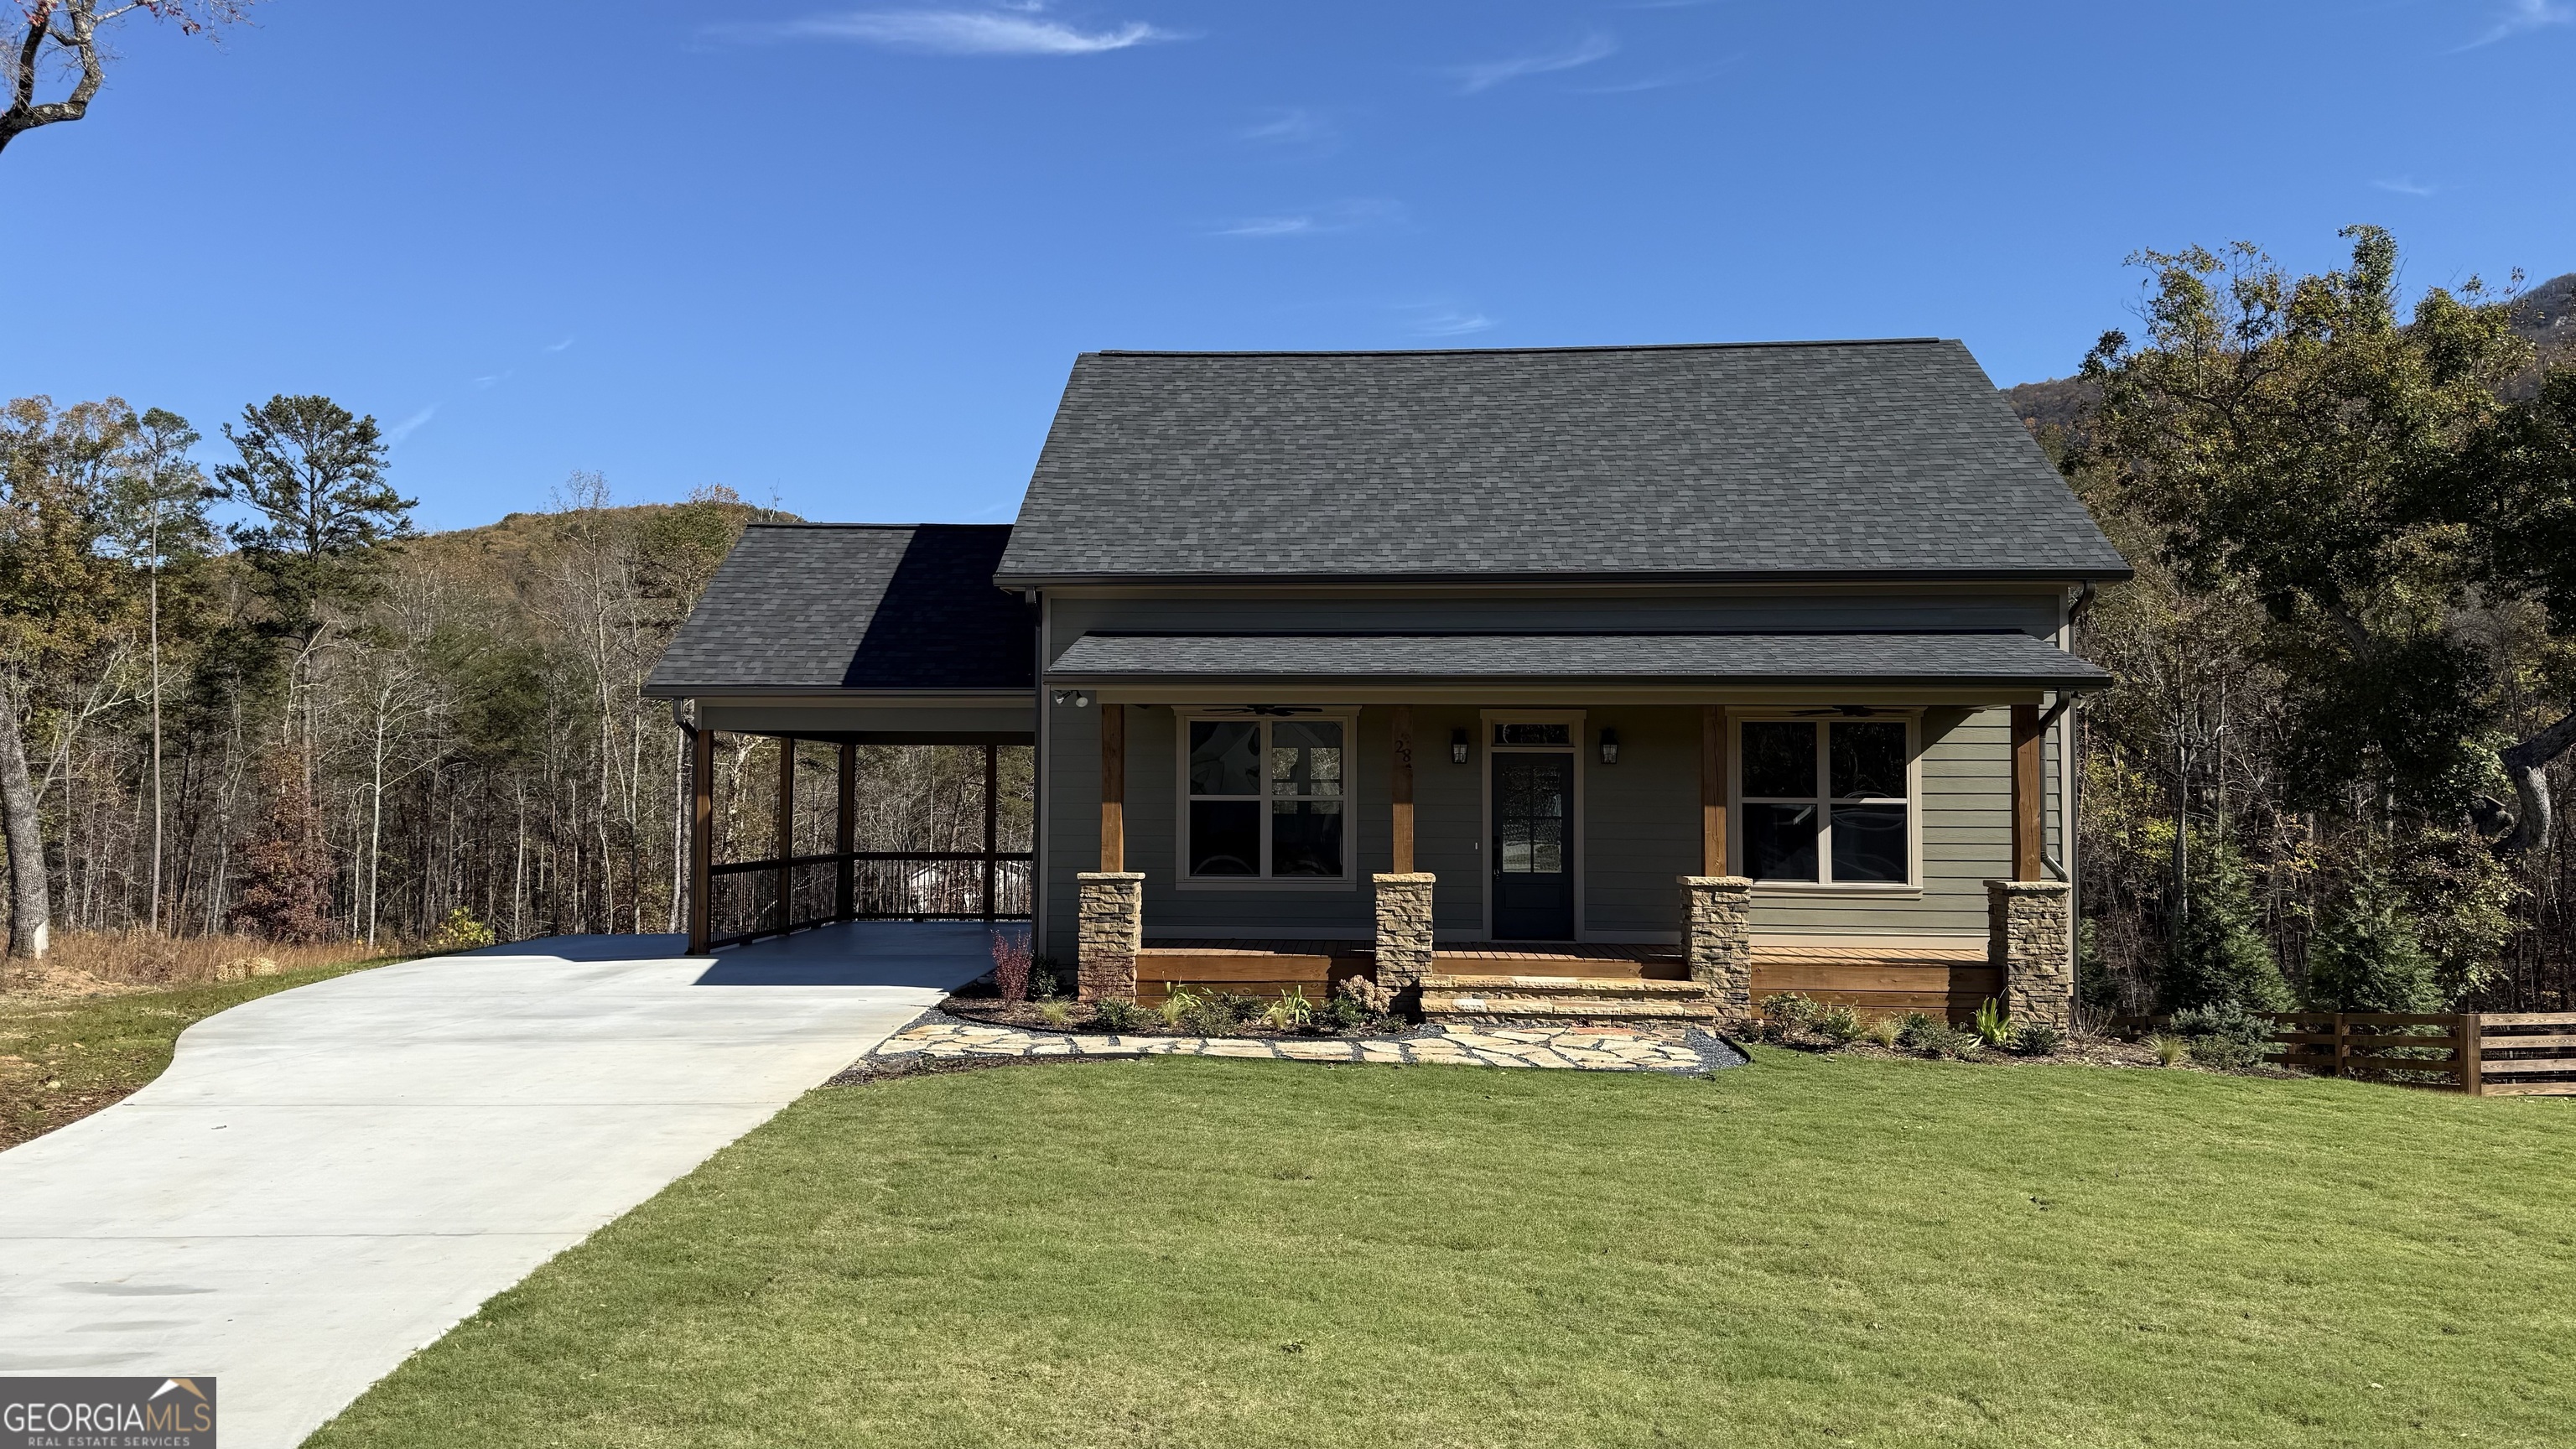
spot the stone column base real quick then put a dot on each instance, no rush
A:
(1717, 938)
(2027, 932)
(1403, 929)
(1112, 932)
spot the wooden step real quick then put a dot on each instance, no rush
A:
(1560, 998)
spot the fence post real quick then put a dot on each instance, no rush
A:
(2468, 1051)
(2342, 1045)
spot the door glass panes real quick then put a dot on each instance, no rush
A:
(1306, 758)
(1869, 760)
(1225, 757)
(1225, 837)
(1530, 812)
(1534, 734)
(1869, 842)
(1780, 842)
(1306, 837)
(1779, 759)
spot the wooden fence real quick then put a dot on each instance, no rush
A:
(2485, 1054)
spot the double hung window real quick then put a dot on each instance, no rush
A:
(1826, 801)
(1266, 799)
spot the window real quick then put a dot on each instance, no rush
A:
(1826, 801)
(1266, 799)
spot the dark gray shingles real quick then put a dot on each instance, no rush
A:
(1733, 658)
(835, 606)
(1784, 459)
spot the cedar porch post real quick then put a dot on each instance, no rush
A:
(1113, 787)
(1400, 789)
(2026, 835)
(845, 895)
(1712, 791)
(786, 841)
(702, 823)
(1717, 908)
(992, 819)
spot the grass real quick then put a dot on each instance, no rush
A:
(1814, 1251)
(62, 1060)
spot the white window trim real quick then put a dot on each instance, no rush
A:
(1911, 886)
(1486, 749)
(1184, 716)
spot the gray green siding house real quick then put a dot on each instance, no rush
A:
(1575, 681)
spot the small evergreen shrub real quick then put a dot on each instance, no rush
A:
(1046, 977)
(2036, 1039)
(1788, 1011)
(1948, 1041)
(1838, 1024)
(1913, 1026)
(1118, 1015)
(2368, 956)
(2220, 955)
(2224, 1035)
(1340, 1014)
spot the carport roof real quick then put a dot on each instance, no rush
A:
(823, 608)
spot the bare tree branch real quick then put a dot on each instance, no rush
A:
(2527, 764)
(73, 26)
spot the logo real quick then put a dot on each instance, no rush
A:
(107, 1413)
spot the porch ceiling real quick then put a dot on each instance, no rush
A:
(1983, 660)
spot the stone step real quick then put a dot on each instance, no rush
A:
(1560, 998)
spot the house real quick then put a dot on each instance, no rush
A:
(1595, 681)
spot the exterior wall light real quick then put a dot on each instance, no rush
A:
(1609, 747)
(1457, 747)
(1079, 699)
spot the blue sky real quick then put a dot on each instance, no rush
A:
(842, 256)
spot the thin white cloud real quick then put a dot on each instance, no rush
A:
(1448, 322)
(1291, 127)
(495, 379)
(2521, 17)
(1485, 75)
(2405, 186)
(1341, 216)
(410, 425)
(1653, 83)
(558, 346)
(1012, 31)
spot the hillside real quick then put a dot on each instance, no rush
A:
(2546, 315)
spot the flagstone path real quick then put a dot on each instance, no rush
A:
(1581, 1048)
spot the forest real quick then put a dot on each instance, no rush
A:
(247, 697)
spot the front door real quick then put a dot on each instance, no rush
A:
(1533, 847)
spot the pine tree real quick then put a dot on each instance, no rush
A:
(2368, 957)
(2220, 956)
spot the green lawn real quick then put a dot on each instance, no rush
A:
(62, 1060)
(1811, 1251)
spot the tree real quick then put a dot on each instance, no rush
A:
(158, 514)
(56, 599)
(64, 35)
(2368, 957)
(2219, 955)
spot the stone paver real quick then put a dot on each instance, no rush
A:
(1582, 1048)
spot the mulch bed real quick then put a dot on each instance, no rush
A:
(1028, 1016)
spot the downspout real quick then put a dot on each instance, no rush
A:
(1040, 719)
(2070, 779)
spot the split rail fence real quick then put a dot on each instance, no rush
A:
(2484, 1054)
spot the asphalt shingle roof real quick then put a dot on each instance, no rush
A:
(1886, 659)
(1767, 460)
(853, 606)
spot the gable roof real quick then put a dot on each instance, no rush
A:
(823, 607)
(1754, 461)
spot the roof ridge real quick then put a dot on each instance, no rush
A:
(1497, 351)
(812, 523)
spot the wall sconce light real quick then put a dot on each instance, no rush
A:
(1457, 747)
(1609, 747)
(1075, 697)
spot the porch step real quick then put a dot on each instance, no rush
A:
(1560, 998)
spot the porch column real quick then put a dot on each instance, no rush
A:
(702, 820)
(1403, 894)
(2028, 917)
(786, 833)
(1111, 928)
(845, 892)
(1717, 908)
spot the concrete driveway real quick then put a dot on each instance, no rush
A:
(329, 1178)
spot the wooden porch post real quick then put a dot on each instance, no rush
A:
(1712, 790)
(1400, 790)
(1113, 787)
(845, 895)
(786, 841)
(2026, 835)
(992, 819)
(702, 830)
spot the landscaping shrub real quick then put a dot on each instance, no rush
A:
(1011, 965)
(1787, 1011)
(1913, 1026)
(1118, 1015)
(2036, 1039)
(1291, 1012)
(1948, 1041)
(1046, 977)
(1838, 1024)
(1992, 1024)
(1178, 1006)
(2170, 1049)
(2367, 956)
(1218, 1013)
(2220, 954)
(461, 932)
(1340, 1014)
(2224, 1035)
(1056, 1013)
(1884, 1031)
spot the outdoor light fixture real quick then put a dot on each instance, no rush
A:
(1074, 697)
(1457, 747)
(1609, 747)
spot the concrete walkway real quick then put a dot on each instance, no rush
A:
(329, 1178)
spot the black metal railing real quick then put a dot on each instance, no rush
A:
(756, 898)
